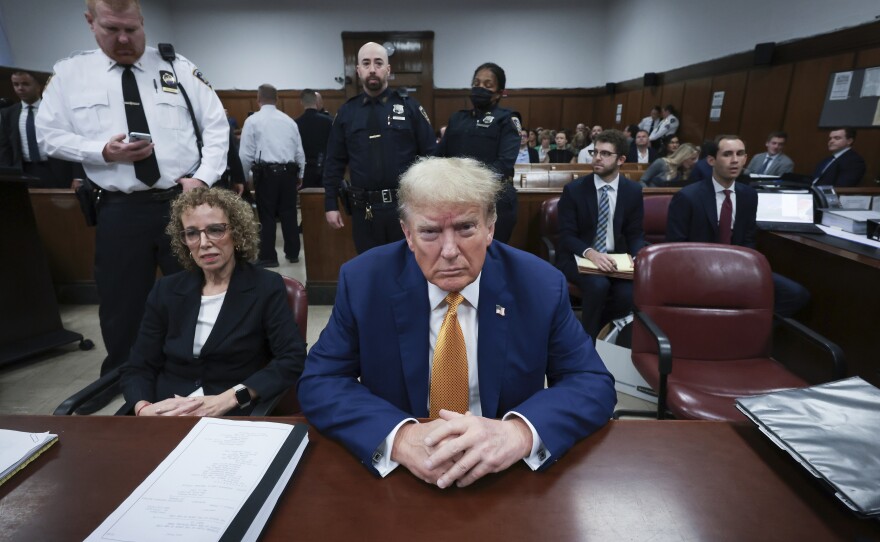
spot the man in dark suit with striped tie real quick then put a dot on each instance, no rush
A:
(599, 214)
(18, 137)
(844, 167)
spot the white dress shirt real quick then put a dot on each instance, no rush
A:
(584, 154)
(22, 132)
(467, 319)
(270, 136)
(667, 126)
(83, 108)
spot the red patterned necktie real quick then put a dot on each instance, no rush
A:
(725, 221)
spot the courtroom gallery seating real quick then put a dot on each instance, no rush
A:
(703, 329)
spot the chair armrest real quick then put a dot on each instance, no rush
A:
(664, 358)
(264, 407)
(838, 359)
(551, 250)
(664, 348)
(76, 400)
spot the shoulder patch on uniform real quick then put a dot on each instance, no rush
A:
(425, 114)
(197, 73)
(516, 124)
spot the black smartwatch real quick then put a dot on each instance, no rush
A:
(242, 396)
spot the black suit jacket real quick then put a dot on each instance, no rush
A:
(533, 156)
(693, 215)
(632, 157)
(314, 127)
(579, 215)
(254, 341)
(62, 172)
(847, 170)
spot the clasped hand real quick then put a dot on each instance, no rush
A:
(208, 405)
(461, 448)
(604, 262)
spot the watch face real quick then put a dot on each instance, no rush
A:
(243, 396)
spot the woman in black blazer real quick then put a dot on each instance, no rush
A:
(220, 335)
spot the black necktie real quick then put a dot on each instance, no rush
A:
(33, 148)
(146, 170)
(373, 127)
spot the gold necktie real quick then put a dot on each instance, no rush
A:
(449, 374)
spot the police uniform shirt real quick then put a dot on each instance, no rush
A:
(83, 108)
(405, 134)
(492, 137)
(314, 127)
(270, 136)
(22, 131)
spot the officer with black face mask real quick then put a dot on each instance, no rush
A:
(489, 134)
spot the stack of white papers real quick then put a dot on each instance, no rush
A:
(220, 483)
(18, 448)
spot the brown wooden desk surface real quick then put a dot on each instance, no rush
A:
(633, 480)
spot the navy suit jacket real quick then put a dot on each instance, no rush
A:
(62, 172)
(370, 369)
(254, 341)
(693, 215)
(847, 170)
(579, 217)
(632, 157)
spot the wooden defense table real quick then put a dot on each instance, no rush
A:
(633, 480)
(843, 278)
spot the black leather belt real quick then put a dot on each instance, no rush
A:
(278, 168)
(143, 195)
(374, 197)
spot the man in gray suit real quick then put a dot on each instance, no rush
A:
(772, 162)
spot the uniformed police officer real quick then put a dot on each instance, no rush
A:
(378, 133)
(489, 134)
(91, 105)
(314, 127)
(271, 144)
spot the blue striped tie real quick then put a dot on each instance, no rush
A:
(602, 229)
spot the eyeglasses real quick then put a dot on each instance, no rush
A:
(603, 154)
(214, 232)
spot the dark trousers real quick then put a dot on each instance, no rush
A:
(506, 208)
(788, 296)
(382, 229)
(276, 197)
(604, 298)
(312, 176)
(130, 242)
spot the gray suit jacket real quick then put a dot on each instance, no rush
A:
(782, 164)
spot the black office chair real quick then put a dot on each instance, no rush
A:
(285, 403)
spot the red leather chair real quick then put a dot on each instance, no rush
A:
(283, 404)
(656, 210)
(549, 228)
(703, 330)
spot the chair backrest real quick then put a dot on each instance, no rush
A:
(558, 179)
(656, 210)
(299, 303)
(549, 226)
(714, 302)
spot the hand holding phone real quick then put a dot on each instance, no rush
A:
(139, 136)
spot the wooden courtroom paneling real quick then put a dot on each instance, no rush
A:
(650, 97)
(241, 102)
(545, 112)
(632, 108)
(807, 143)
(733, 86)
(520, 104)
(673, 93)
(868, 141)
(695, 110)
(445, 106)
(576, 109)
(606, 105)
(764, 106)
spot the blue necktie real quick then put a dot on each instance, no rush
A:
(33, 148)
(602, 229)
(766, 163)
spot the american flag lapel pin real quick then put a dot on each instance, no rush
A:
(499, 310)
